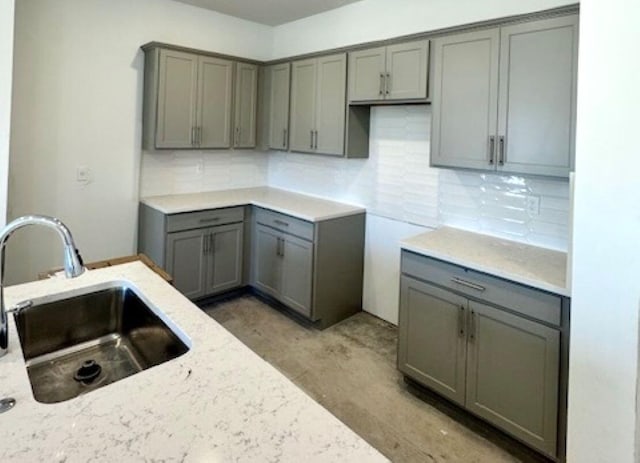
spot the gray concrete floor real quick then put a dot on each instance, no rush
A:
(350, 369)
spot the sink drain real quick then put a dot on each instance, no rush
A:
(88, 372)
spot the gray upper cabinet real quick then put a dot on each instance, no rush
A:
(176, 99)
(190, 103)
(318, 105)
(465, 92)
(213, 125)
(279, 78)
(537, 96)
(511, 93)
(246, 98)
(395, 72)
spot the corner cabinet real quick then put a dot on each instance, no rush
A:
(245, 104)
(189, 100)
(490, 345)
(203, 250)
(313, 268)
(318, 105)
(396, 72)
(512, 92)
(279, 78)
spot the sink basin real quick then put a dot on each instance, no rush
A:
(75, 345)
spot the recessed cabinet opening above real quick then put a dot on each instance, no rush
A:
(197, 101)
(387, 74)
(504, 98)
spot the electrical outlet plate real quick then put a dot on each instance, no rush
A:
(83, 175)
(533, 205)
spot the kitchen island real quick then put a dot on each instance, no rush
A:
(217, 402)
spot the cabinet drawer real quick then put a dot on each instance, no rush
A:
(200, 219)
(531, 302)
(285, 223)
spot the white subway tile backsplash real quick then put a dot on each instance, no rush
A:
(396, 181)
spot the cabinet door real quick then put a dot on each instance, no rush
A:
(303, 105)
(177, 93)
(214, 109)
(465, 100)
(432, 337)
(224, 267)
(186, 261)
(406, 76)
(331, 104)
(267, 261)
(246, 97)
(367, 74)
(537, 96)
(279, 106)
(512, 374)
(297, 256)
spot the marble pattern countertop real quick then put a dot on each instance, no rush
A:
(218, 402)
(287, 202)
(530, 265)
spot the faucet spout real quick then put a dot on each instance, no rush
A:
(73, 266)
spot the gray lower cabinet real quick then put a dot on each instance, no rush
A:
(512, 92)
(203, 250)
(284, 264)
(492, 346)
(314, 268)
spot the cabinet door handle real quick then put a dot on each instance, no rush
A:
(461, 321)
(468, 284)
(284, 138)
(281, 223)
(472, 326)
(212, 243)
(205, 244)
(387, 84)
(237, 142)
(502, 157)
(381, 84)
(311, 140)
(199, 132)
(281, 247)
(492, 148)
(193, 136)
(315, 146)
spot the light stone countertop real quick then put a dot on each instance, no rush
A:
(219, 402)
(530, 265)
(295, 204)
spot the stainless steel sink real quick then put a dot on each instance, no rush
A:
(76, 345)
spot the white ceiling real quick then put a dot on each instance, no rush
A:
(269, 12)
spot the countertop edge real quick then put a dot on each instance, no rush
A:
(494, 271)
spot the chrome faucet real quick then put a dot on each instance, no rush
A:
(73, 266)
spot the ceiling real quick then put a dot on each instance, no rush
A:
(269, 12)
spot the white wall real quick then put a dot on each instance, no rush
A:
(77, 101)
(6, 66)
(369, 20)
(603, 420)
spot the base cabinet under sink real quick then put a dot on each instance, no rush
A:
(495, 362)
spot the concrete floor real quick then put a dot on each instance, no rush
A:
(350, 369)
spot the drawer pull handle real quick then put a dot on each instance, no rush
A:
(280, 222)
(213, 219)
(468, 284)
